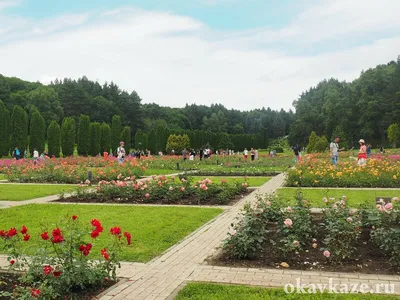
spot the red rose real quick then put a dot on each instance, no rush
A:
(115, 231)
(45, 236)
(85, 249)
(26, 237)
(74, 217)
(47, 270)
(35, 293)
(94, 234)
(95, 223)
(105, 254)
(128, 237)
(24, 230)
(57, 236)
(3, 233)
(12, 262)
(57, 273)
(11, 232)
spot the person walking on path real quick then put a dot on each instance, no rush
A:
(121, 152)
(296, 151)
(245, 153)
(362, 154)
(252, 154)
(35, 156)
(334, 150)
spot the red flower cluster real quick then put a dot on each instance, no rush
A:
(115, 231)
(105, 254)
(128, 237)
(9, 234)
(47, 270)
(57, 236)
(35, 293)
(45, 236)
(98, 228)
(24, 230)
(12, 262)
(57, 273)
(74, 217)
(26, 237)
(85, 249)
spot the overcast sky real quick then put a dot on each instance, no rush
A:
(244, 54)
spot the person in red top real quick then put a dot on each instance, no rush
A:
(362, 154)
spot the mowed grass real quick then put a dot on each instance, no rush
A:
(355, 197)
(153, 229)
(3, 177)
(251, 181)
(209, 291)
(150, 172)
(20, 192)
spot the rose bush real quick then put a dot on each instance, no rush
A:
(62, 267)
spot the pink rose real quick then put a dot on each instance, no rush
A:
(288, 223)
(147, 195)
(327, 253)
(269, 203)
(395, 199)
(388, 206)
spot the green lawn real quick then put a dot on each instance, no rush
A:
(20, 192)
(153, 229)
(2, 177)
(355, 197)
(207, 291)
(251, 181)
(150, 172)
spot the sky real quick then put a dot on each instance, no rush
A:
(244, 54)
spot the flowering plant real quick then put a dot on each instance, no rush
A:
(62, 266)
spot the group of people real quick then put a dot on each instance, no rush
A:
(363, 153)
(253, 154)
(35, 155)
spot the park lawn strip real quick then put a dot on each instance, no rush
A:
(150, 172)
(355, 197)
(21, 192)
(2, 177)
(153, 229)
(209, 291)
(251, 181)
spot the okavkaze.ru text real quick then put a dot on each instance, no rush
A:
(338, 288)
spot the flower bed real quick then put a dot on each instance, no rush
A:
(71, 170)
(315, 173)
(61, 267)
(271, 235)
(161, 190)
(252, 171)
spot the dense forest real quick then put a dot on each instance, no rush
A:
(363, 108)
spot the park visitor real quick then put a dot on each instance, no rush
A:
(184, 154)
(362, 154)
(35, 156)
(16, 153)
(252, 154)
(334, 150)
(245, 153)
(121, 152)
(368, 150)
(296, 151)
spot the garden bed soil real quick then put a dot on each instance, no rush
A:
(369, 259)
(9, 280)
(186, 201)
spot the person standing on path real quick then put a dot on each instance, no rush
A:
(35, 156)
(16, 153)
(362, 154)
(296, 151)
(121, 152)
(252, 154)
(245, 153)
(334, 150)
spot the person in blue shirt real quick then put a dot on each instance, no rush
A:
(16, 153)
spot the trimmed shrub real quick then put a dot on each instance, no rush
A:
(19, 129)
(116, 128)
(105, 143)
(141, 140)
(4, 130)
(95, 137)
(126, 138)
(84, 135)
(37, 132)
(54, 139)
(68, 136)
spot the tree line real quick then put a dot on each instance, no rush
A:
(363, 108)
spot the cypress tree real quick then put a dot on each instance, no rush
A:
(95, 137)
(84, 135)
(54, 139)
(141, 140)
(126, 138)
(105, 143)
(4, 130)
(116, 129)
(68, 137)
(19, 129)
(37, 132)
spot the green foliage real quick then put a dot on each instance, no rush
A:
(105, 144)
(54, 139)
(393, 133)
(4, 130)
(126, 138)
(116, 129)
(37, 132)
(68, 136)
(95, 138)
(141, 140)
(157, 138)
(321, 145)
(177, 143)
(339, 132)
(19, 128)
(225, 142)
(312, 141)
(84, 135)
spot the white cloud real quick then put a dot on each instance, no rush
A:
(172, 60)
